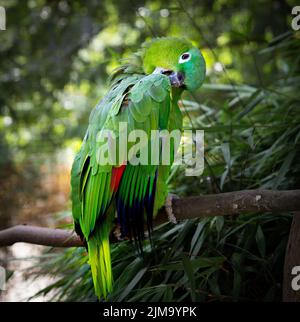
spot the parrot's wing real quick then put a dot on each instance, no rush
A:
(141, 102)
(92, 184)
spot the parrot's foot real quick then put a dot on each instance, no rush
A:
(169, 209)
(117, 235)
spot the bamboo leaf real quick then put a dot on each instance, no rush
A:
(260, 240)
(188, 268)
(133, 283)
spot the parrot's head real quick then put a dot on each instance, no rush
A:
(178, 59)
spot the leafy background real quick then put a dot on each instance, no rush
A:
(55, 60)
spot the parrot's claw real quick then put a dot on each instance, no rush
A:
(169, 209)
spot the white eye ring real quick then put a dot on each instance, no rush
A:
(184, 58)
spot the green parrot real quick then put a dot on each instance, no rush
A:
(144, 95)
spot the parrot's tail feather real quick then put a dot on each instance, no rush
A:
(135, 198)
(100, 261)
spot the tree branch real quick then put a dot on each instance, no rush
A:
(229, 203)
(39, 236)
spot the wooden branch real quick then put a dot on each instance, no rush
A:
(39, 236)
(238, 202)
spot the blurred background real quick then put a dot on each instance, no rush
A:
(55, 59)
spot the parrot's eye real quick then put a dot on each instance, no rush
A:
(184, 58)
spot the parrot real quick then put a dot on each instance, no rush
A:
(143, 93)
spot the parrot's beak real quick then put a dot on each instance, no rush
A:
(176, 79)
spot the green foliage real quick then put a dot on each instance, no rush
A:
(194, 260)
